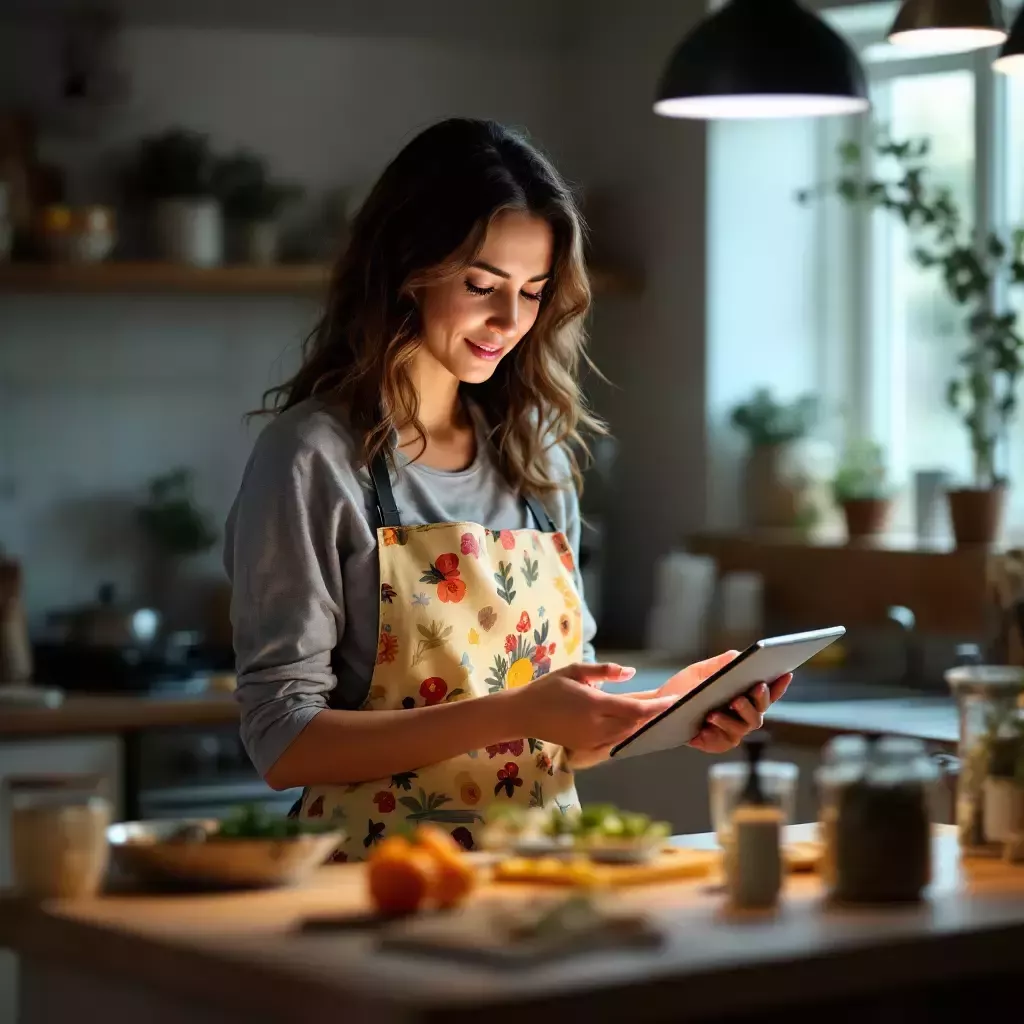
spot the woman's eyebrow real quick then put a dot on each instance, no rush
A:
(498, 272)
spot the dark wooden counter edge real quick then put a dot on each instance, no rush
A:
(101, 714)
(273, 991)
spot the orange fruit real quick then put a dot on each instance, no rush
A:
(401, 884)
(454, 876)
(392, 847)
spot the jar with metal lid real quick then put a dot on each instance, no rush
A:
(990, 792)
(879, 812)
(58, 834)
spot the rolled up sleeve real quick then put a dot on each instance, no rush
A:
(287, 610)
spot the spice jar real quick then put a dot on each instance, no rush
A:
(59, 826)
(753, 852)
(990, 791)
(842, 762)
(881, 803)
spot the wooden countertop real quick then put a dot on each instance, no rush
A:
(244, 953)
(115, 714)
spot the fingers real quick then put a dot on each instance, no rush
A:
(628, 709)
(778, 688)
(601, 672)
(707, 668)
(735, 728)
(759, 697)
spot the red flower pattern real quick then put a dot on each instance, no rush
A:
(508, 779)
(515, 748)
(510, 643)
(508, 539)
(523, 625)
(433, 690)
(564, 551)
(470, 546)
(385, 801)
(445, 574)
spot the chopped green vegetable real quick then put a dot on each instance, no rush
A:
(252, 822)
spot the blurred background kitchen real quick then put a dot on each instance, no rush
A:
(813, 388)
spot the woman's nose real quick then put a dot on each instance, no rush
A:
(504, 318)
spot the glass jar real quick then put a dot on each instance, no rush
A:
(876, 818)
(990, 791)
(58, 834)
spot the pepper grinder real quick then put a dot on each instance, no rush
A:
(754, 863)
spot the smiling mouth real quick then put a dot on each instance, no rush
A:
(490, 352)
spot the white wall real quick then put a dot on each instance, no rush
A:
(97, 394)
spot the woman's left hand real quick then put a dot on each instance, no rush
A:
(723, 730)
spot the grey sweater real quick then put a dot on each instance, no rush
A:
(301, 552)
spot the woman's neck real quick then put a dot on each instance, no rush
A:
(450, 434)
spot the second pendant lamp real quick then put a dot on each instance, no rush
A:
(948, 25)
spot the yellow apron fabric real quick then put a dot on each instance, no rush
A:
(464, 612)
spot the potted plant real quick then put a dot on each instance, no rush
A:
(177, 529)
(977, 277)
(174, 173)
(861, 489)
(252, 205)
(776, 488)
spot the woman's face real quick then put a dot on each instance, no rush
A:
(474, 321)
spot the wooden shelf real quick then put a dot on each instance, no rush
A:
(172, 279)
(163, 278)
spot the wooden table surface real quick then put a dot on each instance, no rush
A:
(245, 952)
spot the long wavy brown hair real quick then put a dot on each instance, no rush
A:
(424, 222)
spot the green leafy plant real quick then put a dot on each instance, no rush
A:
(984, 391)
(766, 421)
(246, 191)
(862, 473)
(176, 164)
(171, 518)
(1003, 743)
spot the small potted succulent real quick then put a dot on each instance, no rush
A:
(777, 488)
(253, 204)
(862, 490)
(174, 173)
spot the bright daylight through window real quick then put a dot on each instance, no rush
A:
(905, 347)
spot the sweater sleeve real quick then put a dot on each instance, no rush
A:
(287, 607)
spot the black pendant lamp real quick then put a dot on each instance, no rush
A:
(1011, 58)
(948, 25)
(760, 59)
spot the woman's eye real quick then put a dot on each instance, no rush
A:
(533, 296)
(474, 290)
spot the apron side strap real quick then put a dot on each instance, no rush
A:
(386, 507)
(540, 514)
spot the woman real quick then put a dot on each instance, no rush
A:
(411, 638)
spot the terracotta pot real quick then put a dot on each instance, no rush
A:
(977, 515)
(866, 516)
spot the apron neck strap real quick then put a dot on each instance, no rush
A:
(387, 509)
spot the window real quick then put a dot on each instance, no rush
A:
(902, 345)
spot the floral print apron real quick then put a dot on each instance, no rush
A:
(464, 612)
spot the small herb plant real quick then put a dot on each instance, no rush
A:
(176, 164)
(246, 191)
(768, 422)
(172, 520)
(862, 474)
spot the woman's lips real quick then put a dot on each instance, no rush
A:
(490, 352)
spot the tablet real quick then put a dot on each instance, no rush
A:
(762, 662)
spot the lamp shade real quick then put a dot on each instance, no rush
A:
(1011, 58)
(762, 58)
(948, 25)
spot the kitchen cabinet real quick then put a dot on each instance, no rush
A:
(100, 755)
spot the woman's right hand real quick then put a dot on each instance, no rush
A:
(567, 708)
